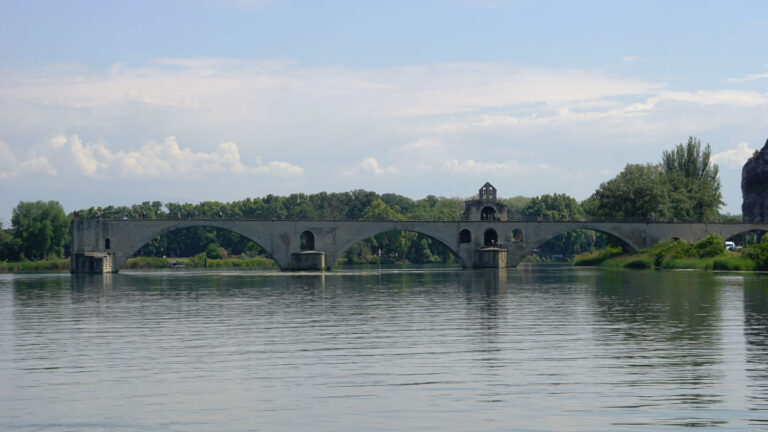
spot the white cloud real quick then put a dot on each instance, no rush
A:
(734, 158)
(470, 166)
(452, 120)
(372, 166)
(748, 77)
(724, 97)
(11, 166)
(165, 159)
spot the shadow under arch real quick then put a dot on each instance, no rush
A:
(138, 243)
(745, 237)
(579, 239)
(342, 250)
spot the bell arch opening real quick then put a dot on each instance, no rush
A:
(465, 236)
(398, 247)
(516, 236)
(488, 213)
(307, 241)
(490, 238)
(200, 247)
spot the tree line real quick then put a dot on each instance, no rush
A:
(684, 185)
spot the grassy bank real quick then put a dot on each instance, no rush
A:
(199, 262)
(41, 266)
(708, 254)
(145, 263)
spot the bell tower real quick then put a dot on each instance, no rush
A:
(486, 207)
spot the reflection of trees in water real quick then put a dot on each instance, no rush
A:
(756, 337)
(660, 330)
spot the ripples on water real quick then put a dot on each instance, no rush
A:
(542, 348)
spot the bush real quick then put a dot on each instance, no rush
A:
(597, 258)
(641, 262)
(213, 252)
(739, 263)
(711, 246)
(758, 253)
(147, 263)
(687, 263)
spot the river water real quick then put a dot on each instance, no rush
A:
(541, 348)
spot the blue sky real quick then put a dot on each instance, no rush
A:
(117, 102)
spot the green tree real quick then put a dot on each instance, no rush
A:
(9, 247)
(685, 185)
(639, 191)
(380, 211)
(40, 228)
(693, 181)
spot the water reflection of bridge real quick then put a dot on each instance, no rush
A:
(99, 244)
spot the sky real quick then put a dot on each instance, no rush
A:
(113, 102)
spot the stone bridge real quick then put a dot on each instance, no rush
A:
(325, 241)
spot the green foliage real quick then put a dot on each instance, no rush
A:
(40, 266)
(142, 263)
(212, 251)
(553, 207)
(737, 263)
(198, 261)
(379, 211)
(597, 257)
(40, 229)
(671, 255)
(515, 205)
(640, 262)
(709, 247)
(637, 192)
(684, 186)
(9, 246)
(758, 254)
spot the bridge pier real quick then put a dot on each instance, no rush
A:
(490, 257)
(307, 260)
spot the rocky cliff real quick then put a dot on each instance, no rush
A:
(754, 187)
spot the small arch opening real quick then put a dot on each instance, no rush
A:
(488, 214)
(107, 244)
(517, 235)
(465, 236)
(490, 238)
(307, 241)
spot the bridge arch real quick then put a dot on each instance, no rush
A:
(336, 252)
(490, 237)
(533, 242)
(140, 237)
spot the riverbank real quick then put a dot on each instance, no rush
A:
(144, 263)
(708, 254)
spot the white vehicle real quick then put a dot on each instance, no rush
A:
(729, 245)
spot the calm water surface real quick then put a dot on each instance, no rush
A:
(541, 348)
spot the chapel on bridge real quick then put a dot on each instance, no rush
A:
(485, 207)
